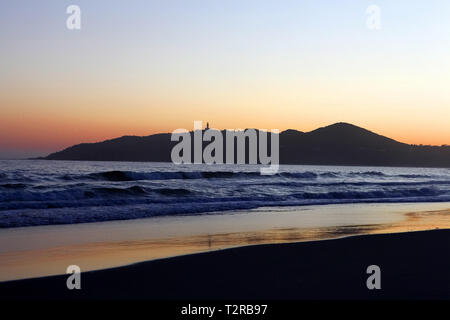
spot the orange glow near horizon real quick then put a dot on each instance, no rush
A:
(49, 121)
(53, 134)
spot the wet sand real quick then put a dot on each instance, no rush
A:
(413, 265)
(41, 251)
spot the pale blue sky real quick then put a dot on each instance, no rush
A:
(299, 64)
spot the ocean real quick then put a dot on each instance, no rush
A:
(41, 192)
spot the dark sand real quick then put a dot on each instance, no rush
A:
(414, 265)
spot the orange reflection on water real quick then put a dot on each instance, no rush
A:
(91, 256)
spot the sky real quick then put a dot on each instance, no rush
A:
(142, 67)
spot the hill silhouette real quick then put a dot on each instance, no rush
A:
(336, 144)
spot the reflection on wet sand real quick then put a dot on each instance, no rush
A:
(98, 255)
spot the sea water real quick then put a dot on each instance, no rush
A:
(42, 192)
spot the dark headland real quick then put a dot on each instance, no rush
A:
(414, 265)
(337, 144)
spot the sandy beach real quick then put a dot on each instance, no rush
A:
(414, 265)
(279, 247)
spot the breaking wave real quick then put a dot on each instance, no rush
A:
(186, 175)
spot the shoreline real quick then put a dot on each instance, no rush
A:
(43, 251)
(414, 265)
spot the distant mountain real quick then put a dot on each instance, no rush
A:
(337, 144)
